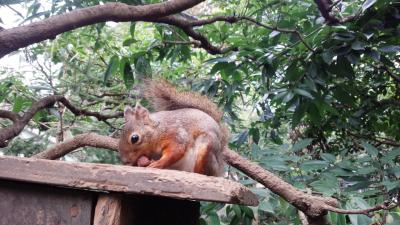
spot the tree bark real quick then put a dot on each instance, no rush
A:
(23, 36)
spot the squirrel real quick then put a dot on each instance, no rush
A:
(185, 133)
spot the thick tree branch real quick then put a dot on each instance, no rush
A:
(14, 130)
(15, 38)
(78, 141)
(312, 206)
(9, 115)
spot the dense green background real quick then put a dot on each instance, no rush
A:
(325, 120)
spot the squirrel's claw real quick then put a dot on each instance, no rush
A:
(155, 164)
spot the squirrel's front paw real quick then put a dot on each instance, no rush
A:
(155, 164)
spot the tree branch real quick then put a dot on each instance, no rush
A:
(325, 8)
(188, 25)
(380, 140)
(78, 141)
(293, 31)
(23, 36)
(312, 206)
(14, 130)
(9, 115)
(383, 206)
(15, 38)
(196, 44)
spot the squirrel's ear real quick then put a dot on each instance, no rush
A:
(141, 112)
(128, 113)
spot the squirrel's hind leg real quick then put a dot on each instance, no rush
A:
(207, 162)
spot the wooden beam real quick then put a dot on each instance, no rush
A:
(108, 210)
(125, 179)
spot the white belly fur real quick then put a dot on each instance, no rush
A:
(188, 161)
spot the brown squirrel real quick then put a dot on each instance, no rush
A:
(185, 133)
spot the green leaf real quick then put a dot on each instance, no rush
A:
(343, 96)
(128, 42)
(344, 36)
(327, 186)
(19, 103)
(275, 164)
(358, 45)
(374, 55)
(268, 70)
(127, 73)
(391, 155)
(214, 219)
(142, 66)
(366, 170)
(390, 48)
(289, 95)
(237, 210)
(314, 165)
(314, 113)
(274, 34)
(247, 211)
(299, 145)
(327, 56)
(202, 221)
(358, 203)
(261, 192)
(292, 72)
(328, 157)
(303, 92)
(240, 138)
(342, 68)
(266, 206)
(255, 133)
(367, 4)
(372, 151)
(132, 29)
(111, 68)
(298, 114)
(391, 185)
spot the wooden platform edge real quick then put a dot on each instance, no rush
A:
(125, 179)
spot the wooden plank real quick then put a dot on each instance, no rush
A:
(108, 210)
(126, 179)
(33, 204)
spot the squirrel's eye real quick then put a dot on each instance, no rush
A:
(134, 138)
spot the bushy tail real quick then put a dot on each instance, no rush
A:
(164, 96)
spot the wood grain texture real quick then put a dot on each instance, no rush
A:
(35, 204)
(108, 210)
(126, 179)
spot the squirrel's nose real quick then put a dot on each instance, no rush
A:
(134, 138)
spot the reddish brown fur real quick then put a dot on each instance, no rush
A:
(185, 133)
(164, 96)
